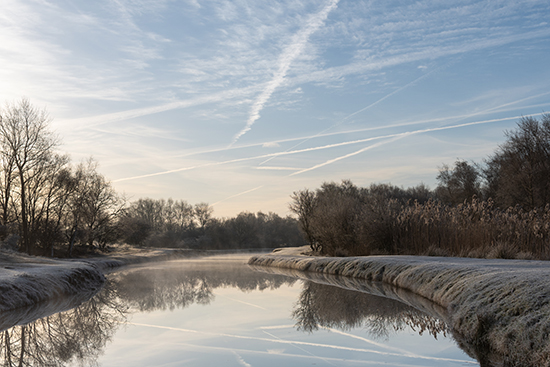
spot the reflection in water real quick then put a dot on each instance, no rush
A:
(172, 286)
(75, 335)
(79, 336)
(327, 306)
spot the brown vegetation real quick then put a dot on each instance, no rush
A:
(507, 215)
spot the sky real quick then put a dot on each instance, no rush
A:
(241, 103)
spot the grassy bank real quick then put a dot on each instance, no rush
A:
(28, 280)
(501, 306)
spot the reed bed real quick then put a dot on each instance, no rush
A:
(474, 229)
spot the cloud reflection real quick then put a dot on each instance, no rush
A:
(81, 334)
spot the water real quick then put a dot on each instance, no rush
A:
(217, 311)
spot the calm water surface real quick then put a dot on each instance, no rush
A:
(217, 311)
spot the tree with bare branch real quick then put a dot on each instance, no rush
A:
(26, 143)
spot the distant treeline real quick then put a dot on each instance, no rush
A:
(497, 208)
(169, 223)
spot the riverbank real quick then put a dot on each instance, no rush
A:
(497, 306)
(28, 280)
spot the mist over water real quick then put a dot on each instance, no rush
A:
(220, 311)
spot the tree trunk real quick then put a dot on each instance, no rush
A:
(24, 223)
(71, 244)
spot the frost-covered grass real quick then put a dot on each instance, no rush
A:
(28, 280)
(497, 305)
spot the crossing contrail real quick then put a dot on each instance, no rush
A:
(356, 112)
(299, 41)
(335, 145)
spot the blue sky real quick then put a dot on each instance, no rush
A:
(240, 103)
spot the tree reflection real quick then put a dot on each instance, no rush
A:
(324, 306)
(78, 336)
(173, 286)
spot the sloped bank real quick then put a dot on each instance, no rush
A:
(499, 307)
(27, 280)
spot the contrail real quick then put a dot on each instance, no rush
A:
(372, 342)
(243, 302)
(400, 136)
(326, 147)
(296, 342)
(240, 360)
(239, 194)
(391, 94)
(330, 161)
(87, 122)
(342, 361)
(299, 41)
(418, 122)
(357, 112)
(302, 349)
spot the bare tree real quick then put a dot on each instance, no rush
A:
(518, 173)
(7, 178)
(203, 213)
(26, 143)
(93, 207)
(458, 184)
(303, 205)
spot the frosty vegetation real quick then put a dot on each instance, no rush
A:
(497, 209)
(28, 280)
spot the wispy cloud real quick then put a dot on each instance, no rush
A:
(393, 137)
(95, 87)
(408, 56)
(295, 48)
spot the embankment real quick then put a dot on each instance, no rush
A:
(499, 307)
(27, 280)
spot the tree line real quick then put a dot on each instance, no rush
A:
(496, 208)
(169, 223)
(45, 200)
(50, 206)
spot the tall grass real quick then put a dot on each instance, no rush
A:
(472, 229)
(475, 229)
